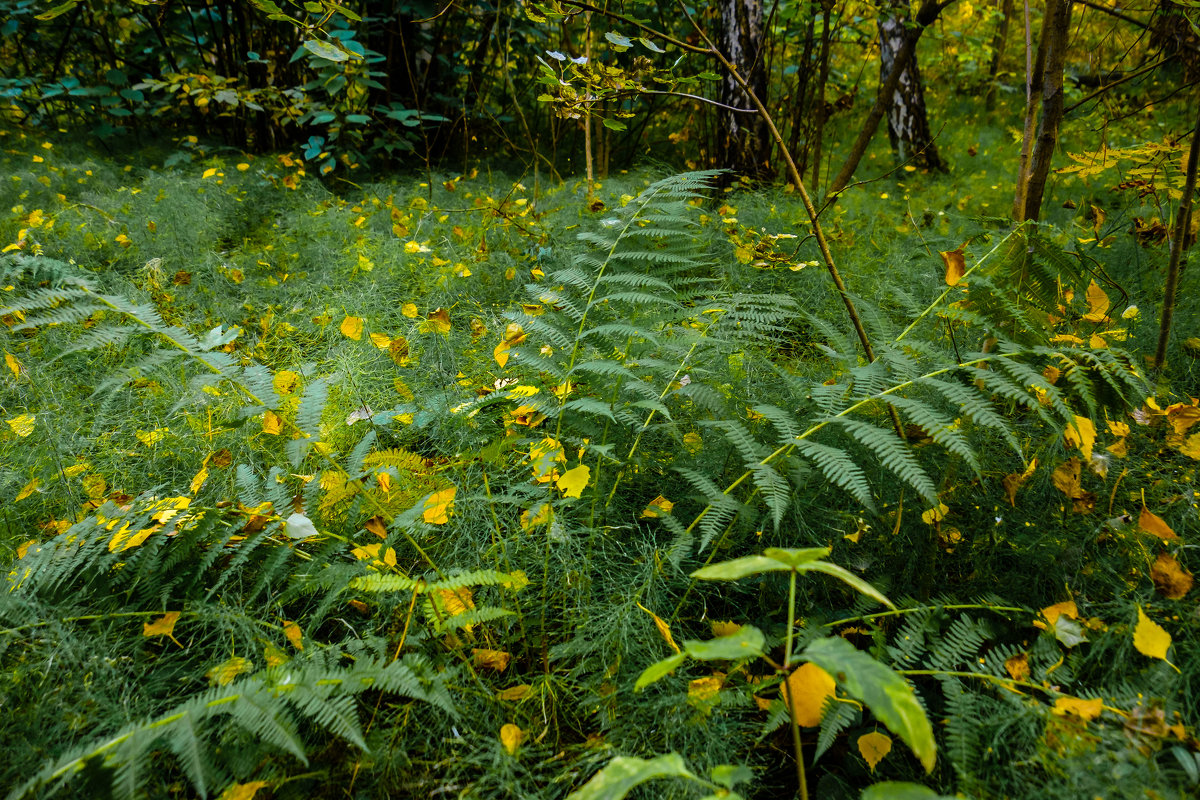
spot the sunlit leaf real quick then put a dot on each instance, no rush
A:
(574, 481)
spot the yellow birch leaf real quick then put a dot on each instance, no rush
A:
(1171, 580)
(664, 630)
(692, 443)
(1149, 638)
(1155, 525)
(514, 693)
(352, 327)
(702, 689)
(437, 506)
(956, 265)
(409, 310)
(242, 791)
(1017, 666)
(274, 656)
(456, 601)
(935, 514)
(1098, 303)
(511, 737)
(1086, 709)
(163, 626)
(805, 692)
(1066, 478)
(873, 747)
(382, 341)
(94, 486)
(1067, 609)
(199, 479)
(22, 425)
(226, 671)
(658, 507)
(438, 321)
(294, 634)
(27, 490)
(208, 173)
(13, 364)
(574, 481)
(1082, 434)
(1191, 447)
(491, 659)
(285, 382)
(272, 424)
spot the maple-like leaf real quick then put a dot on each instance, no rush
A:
(574, 481)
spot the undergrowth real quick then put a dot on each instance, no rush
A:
(398, 491)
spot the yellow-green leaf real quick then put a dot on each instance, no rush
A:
(22, 425)
(574, 481)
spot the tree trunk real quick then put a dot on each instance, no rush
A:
(908, 122)
(998, 41)
(1056, 32)
(819, 99)
(742, 138)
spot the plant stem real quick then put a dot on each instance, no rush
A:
(1182, 227)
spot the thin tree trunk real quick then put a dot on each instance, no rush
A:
(1058, 30)
(819, 97)
(928, 13)
(1183, 226)
(908, 121)
(742, 138)
(1033, 78)
(998, 41)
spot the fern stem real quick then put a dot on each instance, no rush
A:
(901, 611)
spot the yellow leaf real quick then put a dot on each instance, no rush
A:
(199, 479)
(94, 486)
(720, 628)
(242, 791)
(1066, 478)
(1153, 524)
(163, 626)
(658, 507)
(1082, 434)
(874, 746)
(226, 671)
(27, 490)
(1013, 482)
(1067, 609)
(491, 659)
(573, 481)
(956, 265)
(381, 341)
(352, 327)
(285, 382)
(437, 506)
(1017, 666)
(664, 630)
(13, 364)
(272, 424)
(409, 310)
(805, 692)
(1149, 638)
(935, 514)
(1098, 303)
(294, 634)
(540, 514)
(151, 438)
(437, 321)
(273, 655)
(208, 173)
(511, 737)
(456, 601)
(1191, 447)
(1086, 709)
(513, 336)
(692, 443)
(22, 425)
(702, 689)
(1169, 578)
(1182, 416)
(513, 693)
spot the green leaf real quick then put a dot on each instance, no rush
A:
(625, 772)
(748, 642)
(774, 559)
(613, 124)
(899, 790)
(658, 670)
(618, 40)
(325, 50)
(651, 46)
(844, 575)
(729, 775)
(58, 10)
(881, 689)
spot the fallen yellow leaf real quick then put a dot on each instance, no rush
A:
(511, 737)
(22, 425)
(242, 791)
(1169, 578)
(1155, 525)
(574, 481)
(352, 327)
(664, 630)
(1149, 638)
(294, 634)
(163, 626)
(491, 659)
(805, 692)
(437, 506)
(1086, 709)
